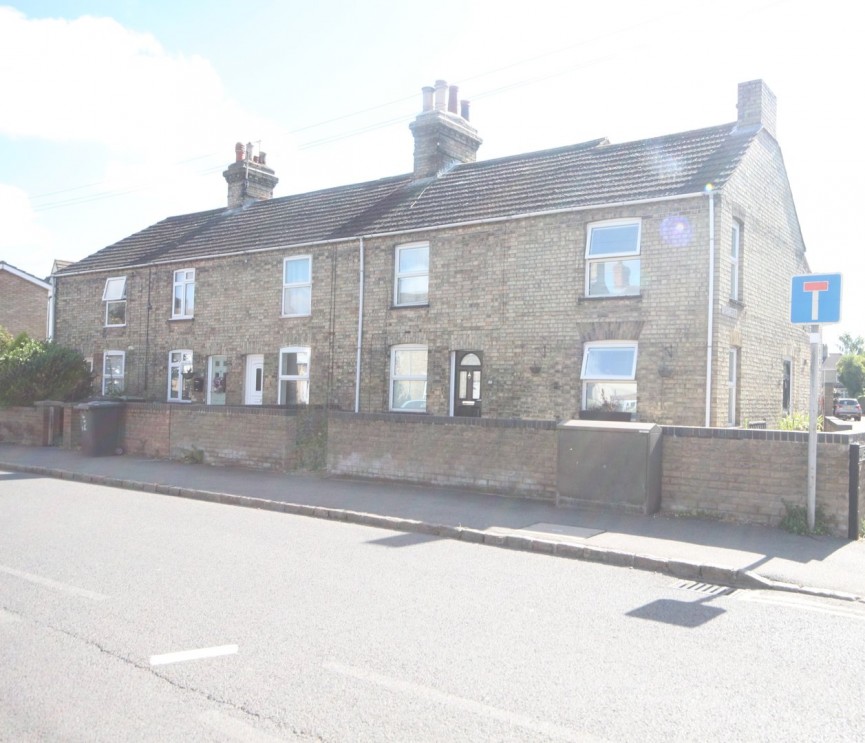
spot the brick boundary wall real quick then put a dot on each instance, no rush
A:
(731, 474)
(503, 456)
(748, 475)
(26, 426)
(260, 437)
(861, 495)
(146, 430)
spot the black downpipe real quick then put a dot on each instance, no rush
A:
(853, 506)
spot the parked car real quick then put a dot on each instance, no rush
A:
(847, 407)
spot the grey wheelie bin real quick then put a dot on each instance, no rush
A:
(100, 427)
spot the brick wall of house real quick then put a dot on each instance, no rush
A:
(771, 469)
(23, 306)
(516, 457)
(515, 291)
(772, 251)
(20, 425)
(237, 312)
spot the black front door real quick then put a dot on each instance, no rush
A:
(467, 390)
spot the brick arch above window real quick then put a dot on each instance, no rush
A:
(610, 330)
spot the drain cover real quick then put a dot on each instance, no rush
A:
(707, 589)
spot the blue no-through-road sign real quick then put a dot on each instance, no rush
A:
(816, 299)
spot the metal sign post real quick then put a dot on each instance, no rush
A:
(815, 299)
(812, 426)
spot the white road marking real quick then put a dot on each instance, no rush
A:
(800, 601)
(234, 729)
(184, 655)
(467, 705)
(56, 585)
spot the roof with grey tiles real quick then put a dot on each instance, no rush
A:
(582, 175)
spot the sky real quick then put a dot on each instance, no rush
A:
(115, 114)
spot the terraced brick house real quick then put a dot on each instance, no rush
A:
(650, 278)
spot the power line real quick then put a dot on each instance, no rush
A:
(381, 124)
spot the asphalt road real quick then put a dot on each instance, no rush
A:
(304, 629)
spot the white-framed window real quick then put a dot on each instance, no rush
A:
(411, 275)
(114, 297)
(608, 376)
(297, 286)
(735, 261)
(113, 371)
(180, 372)
(732, 385)
(293, 376)
(613, 258)
(183, 304)
(408, 375)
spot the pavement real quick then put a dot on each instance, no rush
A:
(690, 549)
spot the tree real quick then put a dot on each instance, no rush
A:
(32, 370)
(851, 346)
(851, 373)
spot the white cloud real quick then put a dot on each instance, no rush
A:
(92, 80)
(141, 134)
(23, 242)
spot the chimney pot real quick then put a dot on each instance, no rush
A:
(440, 93)
(427, 97)
(453, 91)
(249, 150)
(464, 109)
(238, 152)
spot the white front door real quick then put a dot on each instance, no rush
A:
(254, 384)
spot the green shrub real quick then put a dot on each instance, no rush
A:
(798, 422)
(32, 370)
(796, 520)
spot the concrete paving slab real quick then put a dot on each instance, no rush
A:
(753, 554)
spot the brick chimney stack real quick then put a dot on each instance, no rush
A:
(442, 136)
(249, 179)
(757, 106)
